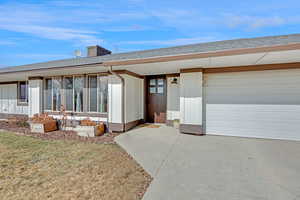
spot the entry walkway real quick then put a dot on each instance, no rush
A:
(186, 167)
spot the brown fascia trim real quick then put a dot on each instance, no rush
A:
(191, 129)
(173, 75)
(190, 70)
(53, 68)
(35, 78)
(205, 55)
(129, 73)
(8, 82)
(263, 67)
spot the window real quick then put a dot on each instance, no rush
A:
(98, 92)
(78, 93)
(23, 92)
(69, 91)
(156, 86)
(48, 94)
(68, 86)
(56, 93)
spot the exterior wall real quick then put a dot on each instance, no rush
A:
(191, 102)
(133, 102)
(134, 98)
(114, 99)
(173, 99)
(35, 96)
(9, 102)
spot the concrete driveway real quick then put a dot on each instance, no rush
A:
(214, 167)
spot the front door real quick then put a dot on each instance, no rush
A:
(156, 99)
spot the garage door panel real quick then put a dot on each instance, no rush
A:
(253, 110)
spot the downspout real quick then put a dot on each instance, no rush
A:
(122, 95)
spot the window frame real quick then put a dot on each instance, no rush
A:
(86, 94)
(98, 76)
(19, 100)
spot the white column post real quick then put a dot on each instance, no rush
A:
(191, 102)
(35, 96)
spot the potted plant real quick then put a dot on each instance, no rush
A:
(42, 123)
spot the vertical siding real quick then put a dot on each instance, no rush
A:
(134, 98)
(8, 100)
(114, 100)
(191, 98)
(263, 104)
(173, 99)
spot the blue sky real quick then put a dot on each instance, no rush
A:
(36, 31)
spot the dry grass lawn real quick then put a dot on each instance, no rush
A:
(31, 168)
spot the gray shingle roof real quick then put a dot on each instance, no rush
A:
(178, 50)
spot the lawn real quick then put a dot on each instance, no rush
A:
(32, 168)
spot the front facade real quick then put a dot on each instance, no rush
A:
(246, 87)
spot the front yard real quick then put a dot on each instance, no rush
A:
(31, 168)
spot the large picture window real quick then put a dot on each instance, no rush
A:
(69, 91)
(98, 92)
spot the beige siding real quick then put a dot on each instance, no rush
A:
(263, 104)
(173, 99)
(191, 98)
(8, 100)
(134, 98)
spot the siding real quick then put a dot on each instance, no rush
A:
(8, 100)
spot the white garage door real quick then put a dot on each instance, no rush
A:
(263, 104)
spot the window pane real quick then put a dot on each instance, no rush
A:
(56, 93)
(103, 93)
(68, 83)
(93, 93)
(78, 92)
(160, 82)
(48, 94)
(23, 91)
(160, 90)
(152, 90)
(152, 82)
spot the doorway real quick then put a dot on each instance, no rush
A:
(156, 99)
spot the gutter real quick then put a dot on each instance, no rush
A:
(123, 97)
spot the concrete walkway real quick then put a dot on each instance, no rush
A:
(214, 167)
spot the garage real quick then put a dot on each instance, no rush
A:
(261, 104)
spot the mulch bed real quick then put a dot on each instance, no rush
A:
(107, 138)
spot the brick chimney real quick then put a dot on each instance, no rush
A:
(93, 51)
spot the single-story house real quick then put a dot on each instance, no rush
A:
(242, 87)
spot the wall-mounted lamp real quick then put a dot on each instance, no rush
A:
(174, 81)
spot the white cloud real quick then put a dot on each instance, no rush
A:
(7, 43)
(254, 22)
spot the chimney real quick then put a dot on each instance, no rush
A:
(93, 51)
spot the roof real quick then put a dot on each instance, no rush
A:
(225, 45)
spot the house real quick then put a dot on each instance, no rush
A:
(243, 87)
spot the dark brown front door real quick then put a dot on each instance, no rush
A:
(156, 99)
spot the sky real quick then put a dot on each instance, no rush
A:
(40, 30)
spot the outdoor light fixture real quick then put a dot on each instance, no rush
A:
(174, 81)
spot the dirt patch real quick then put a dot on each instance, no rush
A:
(31, 168)
(57, 135)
